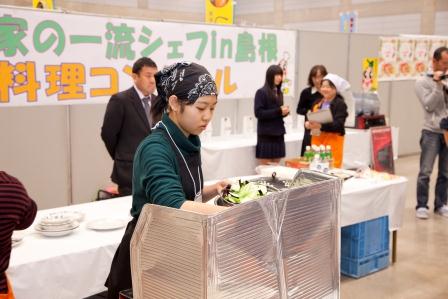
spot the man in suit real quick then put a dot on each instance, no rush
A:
(127, 122)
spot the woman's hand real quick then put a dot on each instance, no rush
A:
(215, 189)
(285, 110)
(311, 125)
(221, 185)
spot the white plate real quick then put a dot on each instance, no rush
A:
(75, 215)
(58, 227)
(106, 224)
(62, 217)
(56, 233)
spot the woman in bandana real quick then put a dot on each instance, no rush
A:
(167, 164)
(331, 133)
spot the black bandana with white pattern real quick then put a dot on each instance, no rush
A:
(188, 81)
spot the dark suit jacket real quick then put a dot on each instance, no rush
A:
(125, 125)
(269, 114)
(307, 100)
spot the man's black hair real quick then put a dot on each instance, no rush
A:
(141, 62)
(438, 53)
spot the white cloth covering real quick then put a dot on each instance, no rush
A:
(76, 266)
(230, 156)
(340, 83)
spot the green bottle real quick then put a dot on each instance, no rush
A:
(329, 155)
(308, 155)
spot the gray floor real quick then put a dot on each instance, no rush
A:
(421, 270)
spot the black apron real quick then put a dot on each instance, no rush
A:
(120, 278)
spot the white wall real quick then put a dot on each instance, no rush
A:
(441, 23)
(57, 151)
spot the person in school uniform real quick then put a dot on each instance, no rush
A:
(270, 110)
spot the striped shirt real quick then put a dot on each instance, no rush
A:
(17, 211)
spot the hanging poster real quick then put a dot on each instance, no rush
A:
(219, 11)
(370, 74)
(43, 4)
(388, 57)
(348, 21)
(421, 51)
(405, 57)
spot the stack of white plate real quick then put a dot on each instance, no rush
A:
(75, 215)
(57, 224)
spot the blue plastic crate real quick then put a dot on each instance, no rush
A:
(361, 267)
(364, 239)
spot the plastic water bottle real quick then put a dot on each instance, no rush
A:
(316, 151)
(329, 155)
(323, 155)
(318, 164)
(315, 163)
(308, 155)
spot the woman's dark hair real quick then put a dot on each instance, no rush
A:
(313, 73)
(157, 108)
(159, 105)
(269, 83)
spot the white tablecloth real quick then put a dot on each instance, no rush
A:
(362, 199)
(366, 199)
(232, 156)
(76, 266)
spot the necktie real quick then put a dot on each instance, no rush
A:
(147, 105)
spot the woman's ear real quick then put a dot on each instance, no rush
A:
(173, 103)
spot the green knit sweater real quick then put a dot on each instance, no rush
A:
(156, 176)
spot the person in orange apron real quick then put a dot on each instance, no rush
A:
(331, 133)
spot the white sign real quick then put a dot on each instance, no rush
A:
(51, 58)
